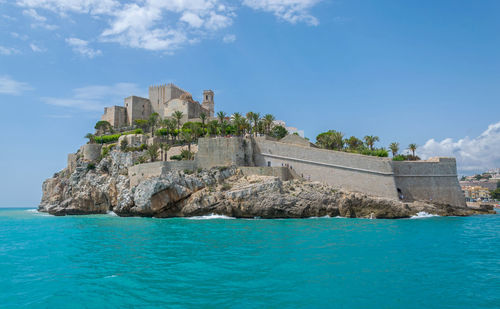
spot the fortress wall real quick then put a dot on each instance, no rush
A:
(282, 173)
(161, 94)
(140, 172)
(371, 175)
(433, 180)
(137, 108)
(222, 151)
(91, 152)
(116, 116)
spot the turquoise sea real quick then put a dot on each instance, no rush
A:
(105, 261)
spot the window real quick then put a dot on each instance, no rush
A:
(268, 163)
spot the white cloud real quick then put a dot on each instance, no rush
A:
(293, 11)
(7, 51)
(473, 154)
(36, 48)
(229, 38)
(40, 21)
(13, 87)
(96, 97)
(81, 47)
(163, 25)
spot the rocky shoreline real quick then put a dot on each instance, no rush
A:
(225, 191)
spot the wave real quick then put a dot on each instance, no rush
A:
(210, 217)
(423, 214)
(112, 213)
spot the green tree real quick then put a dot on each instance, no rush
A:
(412, 148)
(370, 141)
(142, 123)
(394, 147)
(203, 118)
(152, 151)
(188, 138)
(103, 127)
(178, 116)
(237, 121)
(332, 140)
(268, 122)
(153, 122)
(213, 127)
(495, 194)
(91, 138)
(164, 148)
(353, 143)
(255, 119)
(278, 132)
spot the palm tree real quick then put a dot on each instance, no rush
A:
(412, 148)
(91, 137)
(164, 147)
(268, 122)
(153, 152)
(249, 116)
(394, 147)
(370, 140)
(188, 138)
(255, 118)
(212, 127)
(153, 121)
(203, 118)
(237, 119)
(178, 116)
(222, 117)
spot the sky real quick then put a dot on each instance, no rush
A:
(424, 72)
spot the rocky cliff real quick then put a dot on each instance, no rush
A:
(104, 187)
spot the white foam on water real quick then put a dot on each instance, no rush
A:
(38, 213)
(112, 276)
(111, 213)
(210, 217)
(423, 214)
(327, 216)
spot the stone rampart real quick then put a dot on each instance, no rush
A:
(138, 173)
(282, 173)
(91, 152)
(222, 151)
(354, 172)
(434, 180)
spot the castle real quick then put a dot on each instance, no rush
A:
(164, 100)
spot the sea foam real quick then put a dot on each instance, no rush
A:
(423, 214)
(210, 217)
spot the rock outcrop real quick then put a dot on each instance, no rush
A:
(105, 187)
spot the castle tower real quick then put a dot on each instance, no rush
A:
(159, 95)
(208, 102)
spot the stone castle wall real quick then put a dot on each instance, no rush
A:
(434, 180)
(161, 94)
(222, 151)
(116, 116)
(353, 172)
(138, 173)
(137, 108)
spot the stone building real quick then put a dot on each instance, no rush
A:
(164, 100)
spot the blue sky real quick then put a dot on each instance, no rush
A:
(424, 72)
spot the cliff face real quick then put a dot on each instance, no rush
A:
(223, 191)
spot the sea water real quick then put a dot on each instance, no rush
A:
(105, 261)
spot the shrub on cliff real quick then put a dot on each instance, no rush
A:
(107, 138)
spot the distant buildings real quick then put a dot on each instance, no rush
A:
(291, 130)
(474, 193)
